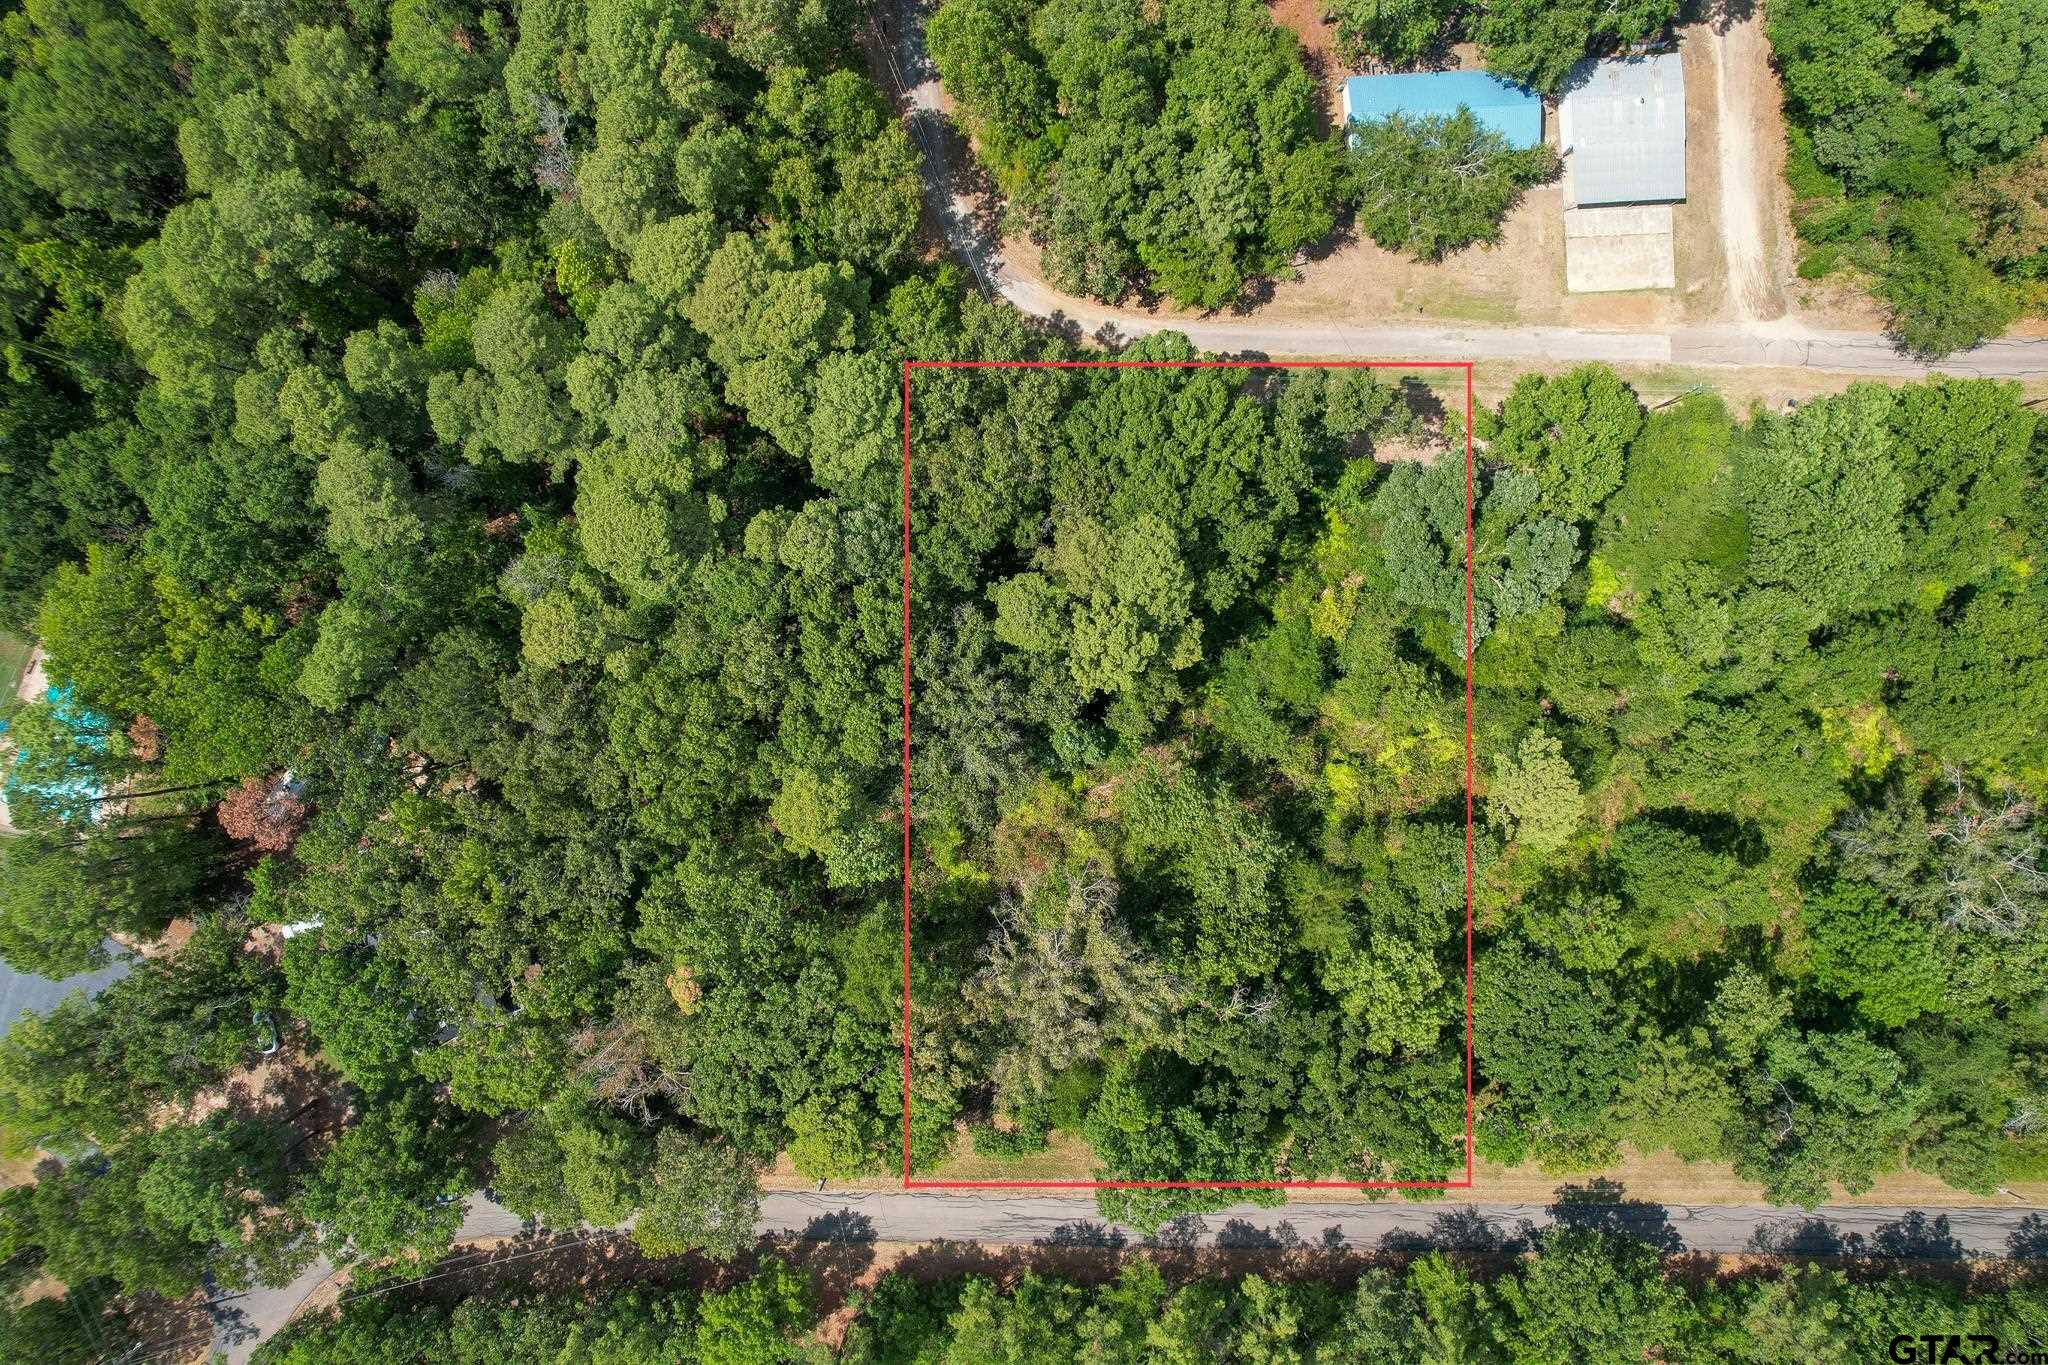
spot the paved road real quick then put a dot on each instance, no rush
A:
(242, 1322)
(1399, 1225)
(21, 991)
(1780, 344)
(1939, 1234)
(957, 200)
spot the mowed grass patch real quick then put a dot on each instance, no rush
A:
(14, 656)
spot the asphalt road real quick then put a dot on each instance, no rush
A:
(955, 200)
(245, 1321)
(1397, 1224)
(1779, 344)
(21, 991)
(242, 1322)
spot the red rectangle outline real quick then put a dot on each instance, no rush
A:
(1466, 1183)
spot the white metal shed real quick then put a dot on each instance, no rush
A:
(1621, 125)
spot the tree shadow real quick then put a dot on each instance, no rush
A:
(1282, 1254)
(231, 1326)
(1464, 1230)
(2029, 1241)
(961, 210)
(962, 199)
(1344, 234)
(1239, 1235)
(1083, 1233)
(1256, 293)
(545, 1262)
(1316, 64)
(148, 1327)
(841, 1227)
(292, 1089)
(1916, 1237)
(1800, 1237)
(1085, 1264)
(1422, 401)
(1717, 833)
(1600, 1205)
(1719, 15)
(836, 1250)
(837, 1258)
(1178, 1234)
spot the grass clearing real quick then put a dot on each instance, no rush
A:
(14, 656)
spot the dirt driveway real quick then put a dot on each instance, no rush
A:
(1749, 140)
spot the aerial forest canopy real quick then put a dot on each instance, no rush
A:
(454, 461)
(1585, 1295)
(1919, 155)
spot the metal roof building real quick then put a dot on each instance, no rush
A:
(1622, 127)
(1508, 109)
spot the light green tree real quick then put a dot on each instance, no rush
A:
(354, 649)
(1571, 432)
(1534, 798)
(1434, 185)
(705, 1199)
(1520, 558)
(1824, 500)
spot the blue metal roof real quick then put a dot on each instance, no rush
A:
(1511, 110)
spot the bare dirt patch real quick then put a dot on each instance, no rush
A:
(1399, 451)
(33, 681)
(1753, 114)
(1697, 243)
(1319, 54)
(1519, 280)
(16, 1170)
(290, 1087)
(174, 937)
(1731, 56)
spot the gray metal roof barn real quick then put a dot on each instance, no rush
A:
(1621, 125)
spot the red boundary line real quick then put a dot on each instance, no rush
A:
(1466, 1183)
